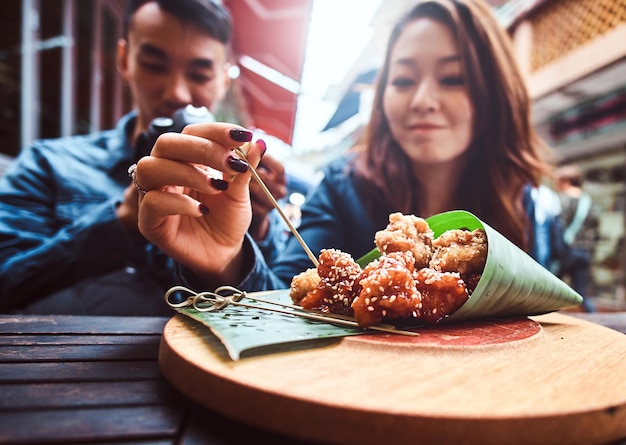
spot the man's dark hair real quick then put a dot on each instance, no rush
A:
(207, 15)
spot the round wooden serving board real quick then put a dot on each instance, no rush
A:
(551, 379)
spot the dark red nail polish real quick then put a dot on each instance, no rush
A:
(237, 164)
(219, 184)
(262, 143)
(241, 135)
(203, 209)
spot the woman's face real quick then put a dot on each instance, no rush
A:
(426, 102)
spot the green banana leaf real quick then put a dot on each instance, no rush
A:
(243, 329)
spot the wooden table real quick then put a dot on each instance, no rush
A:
(97, 380)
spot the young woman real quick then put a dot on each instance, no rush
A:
(450, 129)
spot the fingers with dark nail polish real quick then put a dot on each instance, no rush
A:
(263, 144)
(219, 184)
(203, 209)
(237, 164)
(241, 135)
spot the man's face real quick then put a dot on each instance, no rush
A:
(169, 64)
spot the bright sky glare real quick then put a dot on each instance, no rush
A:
(338, 32)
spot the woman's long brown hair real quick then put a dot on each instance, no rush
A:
(505, 153)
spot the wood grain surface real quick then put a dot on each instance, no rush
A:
(96, 380)
(75, 379)
(564, 384)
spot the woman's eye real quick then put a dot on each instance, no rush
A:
(452, 80)
(402, 82)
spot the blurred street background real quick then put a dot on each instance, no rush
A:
(304, 74)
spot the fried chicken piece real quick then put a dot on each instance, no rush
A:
(406, 233)
(415, 278)
(471, 281)
(461, 251)
(338, 283)
(302, 284)
(442, 294)
(387, 290)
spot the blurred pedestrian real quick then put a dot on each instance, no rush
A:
(581, 221)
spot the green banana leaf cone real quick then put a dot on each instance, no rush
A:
(512, 283)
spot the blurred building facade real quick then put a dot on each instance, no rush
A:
(58, 70)
(573, 53)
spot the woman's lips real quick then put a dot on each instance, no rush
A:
(425, 127)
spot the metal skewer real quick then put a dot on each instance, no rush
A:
(267, 192)
(216, 302)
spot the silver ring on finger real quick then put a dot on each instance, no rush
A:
(132, 172)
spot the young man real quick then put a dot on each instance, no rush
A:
(69, 241)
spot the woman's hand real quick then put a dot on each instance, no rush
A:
(196, 208)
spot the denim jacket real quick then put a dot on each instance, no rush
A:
(57, 216)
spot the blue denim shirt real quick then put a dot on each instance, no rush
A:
(57, 216)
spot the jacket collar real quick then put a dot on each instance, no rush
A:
(119, 143)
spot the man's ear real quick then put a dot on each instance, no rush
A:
(221, 89)
(227, 79)
(122, 58)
